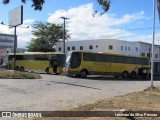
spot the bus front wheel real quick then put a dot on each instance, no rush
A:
(83, 73)
(125, 74)
(17, 68)
(47, 70)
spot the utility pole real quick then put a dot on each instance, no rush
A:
(15, 47)
(153, 34)
(64, 32)
(15, 43)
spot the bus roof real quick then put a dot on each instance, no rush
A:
(118, 54)
(36, 53)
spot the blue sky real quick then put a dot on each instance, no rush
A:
(126, 20)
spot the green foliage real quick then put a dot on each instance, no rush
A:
(46, 35)
(105, 5)
(37, 4)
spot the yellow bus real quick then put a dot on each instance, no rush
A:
(81, 63)
(36, 61)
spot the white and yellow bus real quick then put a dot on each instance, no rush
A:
(82, 63)
(36, 62)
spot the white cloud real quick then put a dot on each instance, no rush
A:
(82, 25)
(28, 21)
(148, 38)
(24, 34)
(5, 29)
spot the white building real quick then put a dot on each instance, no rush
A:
(134, 48)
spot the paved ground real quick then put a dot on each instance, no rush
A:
(54, 92)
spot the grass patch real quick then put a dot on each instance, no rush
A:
(147, 100)
(6, 74)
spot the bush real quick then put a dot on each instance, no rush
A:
(18, 75)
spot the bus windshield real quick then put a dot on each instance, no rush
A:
(73, 59)
(68, 57)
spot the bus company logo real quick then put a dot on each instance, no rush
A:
(6, 114)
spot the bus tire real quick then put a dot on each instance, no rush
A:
(17, 68)
(133, 75)
(116, 76)
(22, 69)
(83, 73)
(47, 70)
(125, 74)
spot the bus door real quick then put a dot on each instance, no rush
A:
(54, 64)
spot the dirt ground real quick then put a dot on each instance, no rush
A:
(146, 100)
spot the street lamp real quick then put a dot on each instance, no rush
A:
(64, 33)
(15, 41)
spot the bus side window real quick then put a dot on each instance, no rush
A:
(131, 60)
(19, 57)
(88, 57)
(100, 58)
(121, 59)
(111, 58)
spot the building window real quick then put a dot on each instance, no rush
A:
(59, 48)
(73, 47)
(148, 54)
(121, 47)
(90, 47)
(68, 48)
(81, 47)
(96, 46)
(156, 55)
(136, 48)
(129, 48)
(110, 47)
(142, 54)
(125, 48)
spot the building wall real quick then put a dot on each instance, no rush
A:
(118, 46)
(6, 44)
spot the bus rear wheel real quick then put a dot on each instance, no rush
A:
(22, 69)
(125, 74)
(83, 73)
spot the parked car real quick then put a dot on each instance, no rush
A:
(4, 65)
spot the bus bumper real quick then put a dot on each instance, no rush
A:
(73, 72)
(69, 72)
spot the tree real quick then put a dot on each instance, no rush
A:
(46, 35)
(105, 5)
(37, 4)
